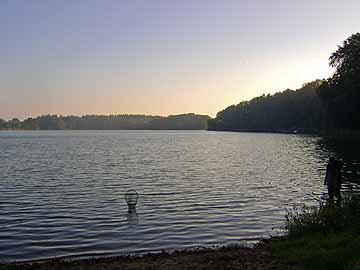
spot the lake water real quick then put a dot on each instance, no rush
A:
(62, 192)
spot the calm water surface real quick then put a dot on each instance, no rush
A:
(62, 192)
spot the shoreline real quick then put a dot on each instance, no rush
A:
(223, 257)
(133, 254)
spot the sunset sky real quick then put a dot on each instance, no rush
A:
(161, 57)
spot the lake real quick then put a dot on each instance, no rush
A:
(62, 192)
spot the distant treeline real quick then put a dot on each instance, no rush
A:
(111, 122)
(329, 106)
(282, 112)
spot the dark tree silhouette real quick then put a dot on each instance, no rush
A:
(340, 94)
(14, 123)
(54, 122)
(2, 123)
(288, 111)
(330, 106)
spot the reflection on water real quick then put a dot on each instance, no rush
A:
(63, 191)
(132, 218)
(348, 153)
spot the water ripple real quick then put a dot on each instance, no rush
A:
(63, 192)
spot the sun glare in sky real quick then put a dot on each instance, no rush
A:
(162, 57)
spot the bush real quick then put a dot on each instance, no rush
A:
(323, 238)
(328, 217)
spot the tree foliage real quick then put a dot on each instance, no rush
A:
(340, 94)
(282, 112)
(111, 122)
(331, 105)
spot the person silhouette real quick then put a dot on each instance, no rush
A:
(338, 166)
(333, 178)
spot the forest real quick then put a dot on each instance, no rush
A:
(330, 106)
(188, 121)
(288, 111)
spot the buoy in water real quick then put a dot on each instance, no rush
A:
(131, 198)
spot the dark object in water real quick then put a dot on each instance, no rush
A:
(131, 198)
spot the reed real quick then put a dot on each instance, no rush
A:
(323, 237)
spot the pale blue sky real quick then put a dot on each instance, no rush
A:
(161, 57)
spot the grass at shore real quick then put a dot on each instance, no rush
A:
(325, 237)
(319, 251)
